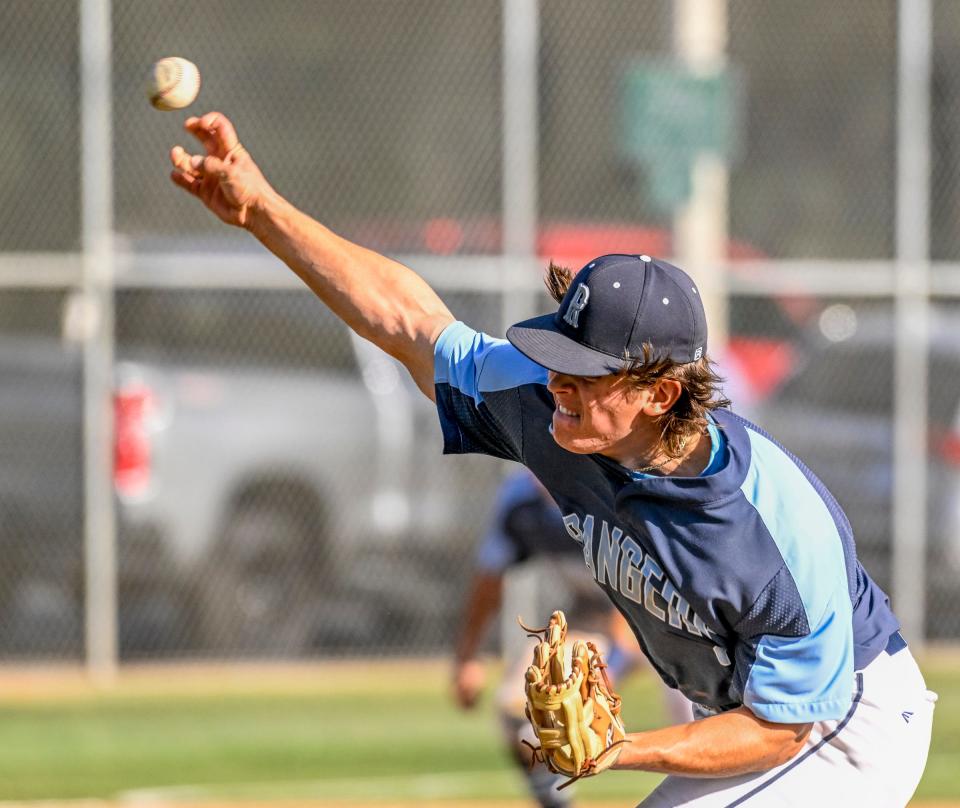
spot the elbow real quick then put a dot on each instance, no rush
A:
(415, 350)
(787, 753)
(411, 339)
(785, 744)
(768, 744)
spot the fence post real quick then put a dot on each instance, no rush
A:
(520, 158)
(911, 308)
(100, 585)
(700, 225)
(519, 214)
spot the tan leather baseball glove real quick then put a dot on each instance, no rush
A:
(575, 715)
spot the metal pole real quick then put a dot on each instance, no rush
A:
(97, 296)
(911, 314)
(700, 226)
(521, 46)
(521, 41)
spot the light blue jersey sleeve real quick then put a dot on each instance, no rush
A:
(475, 363)
(477, 380)
(797, 652)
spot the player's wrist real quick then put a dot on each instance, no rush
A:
(265, 212)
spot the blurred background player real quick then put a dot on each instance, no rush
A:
(526, 528)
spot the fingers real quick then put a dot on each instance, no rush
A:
(183, 173)
(196, 165)
(180, 158)
(185, 181)
(215, 131)
(203, 134)
(212, 166)
(468, 681)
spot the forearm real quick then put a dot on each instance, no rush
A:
(482, 603)
(382, 300)
(732, 743)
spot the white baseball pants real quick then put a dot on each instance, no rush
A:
(873, 757)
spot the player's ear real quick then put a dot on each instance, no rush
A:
(663, 394)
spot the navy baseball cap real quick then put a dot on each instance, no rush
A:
(614, 305)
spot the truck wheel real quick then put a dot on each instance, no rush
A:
(256, 589)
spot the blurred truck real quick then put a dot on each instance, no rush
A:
(40, 497)
(272, 486)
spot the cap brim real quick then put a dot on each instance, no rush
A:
(541, 340)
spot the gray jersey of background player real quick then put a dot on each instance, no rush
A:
(525, 527)
(733, 565)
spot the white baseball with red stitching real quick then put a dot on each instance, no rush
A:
(174, 83)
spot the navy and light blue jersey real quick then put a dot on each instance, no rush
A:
(742, 585)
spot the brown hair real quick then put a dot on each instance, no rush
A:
(699, 381)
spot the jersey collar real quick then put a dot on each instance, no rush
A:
(722, 477)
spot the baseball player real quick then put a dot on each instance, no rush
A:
(733, 565)
(526, 527)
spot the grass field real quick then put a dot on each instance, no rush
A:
(307, 735)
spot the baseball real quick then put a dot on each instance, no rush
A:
(173, 83)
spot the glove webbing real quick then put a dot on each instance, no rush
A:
(562, 701)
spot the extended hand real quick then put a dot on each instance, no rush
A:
(226, 179)
(468, 680)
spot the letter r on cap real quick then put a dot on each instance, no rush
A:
(577, 304)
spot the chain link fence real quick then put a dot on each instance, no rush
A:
(279, 489)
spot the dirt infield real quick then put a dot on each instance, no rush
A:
(45, 682)
(50, 682)
(447, 804)
(352, 804)
(431, 804)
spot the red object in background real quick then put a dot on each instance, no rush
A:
(443, 236)
(578, 242)
(575, 243)
(562, 241)
(763, 363)
(132, 404)
(946, 445)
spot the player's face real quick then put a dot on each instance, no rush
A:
(602, 414)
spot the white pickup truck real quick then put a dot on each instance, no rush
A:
(279, 486)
